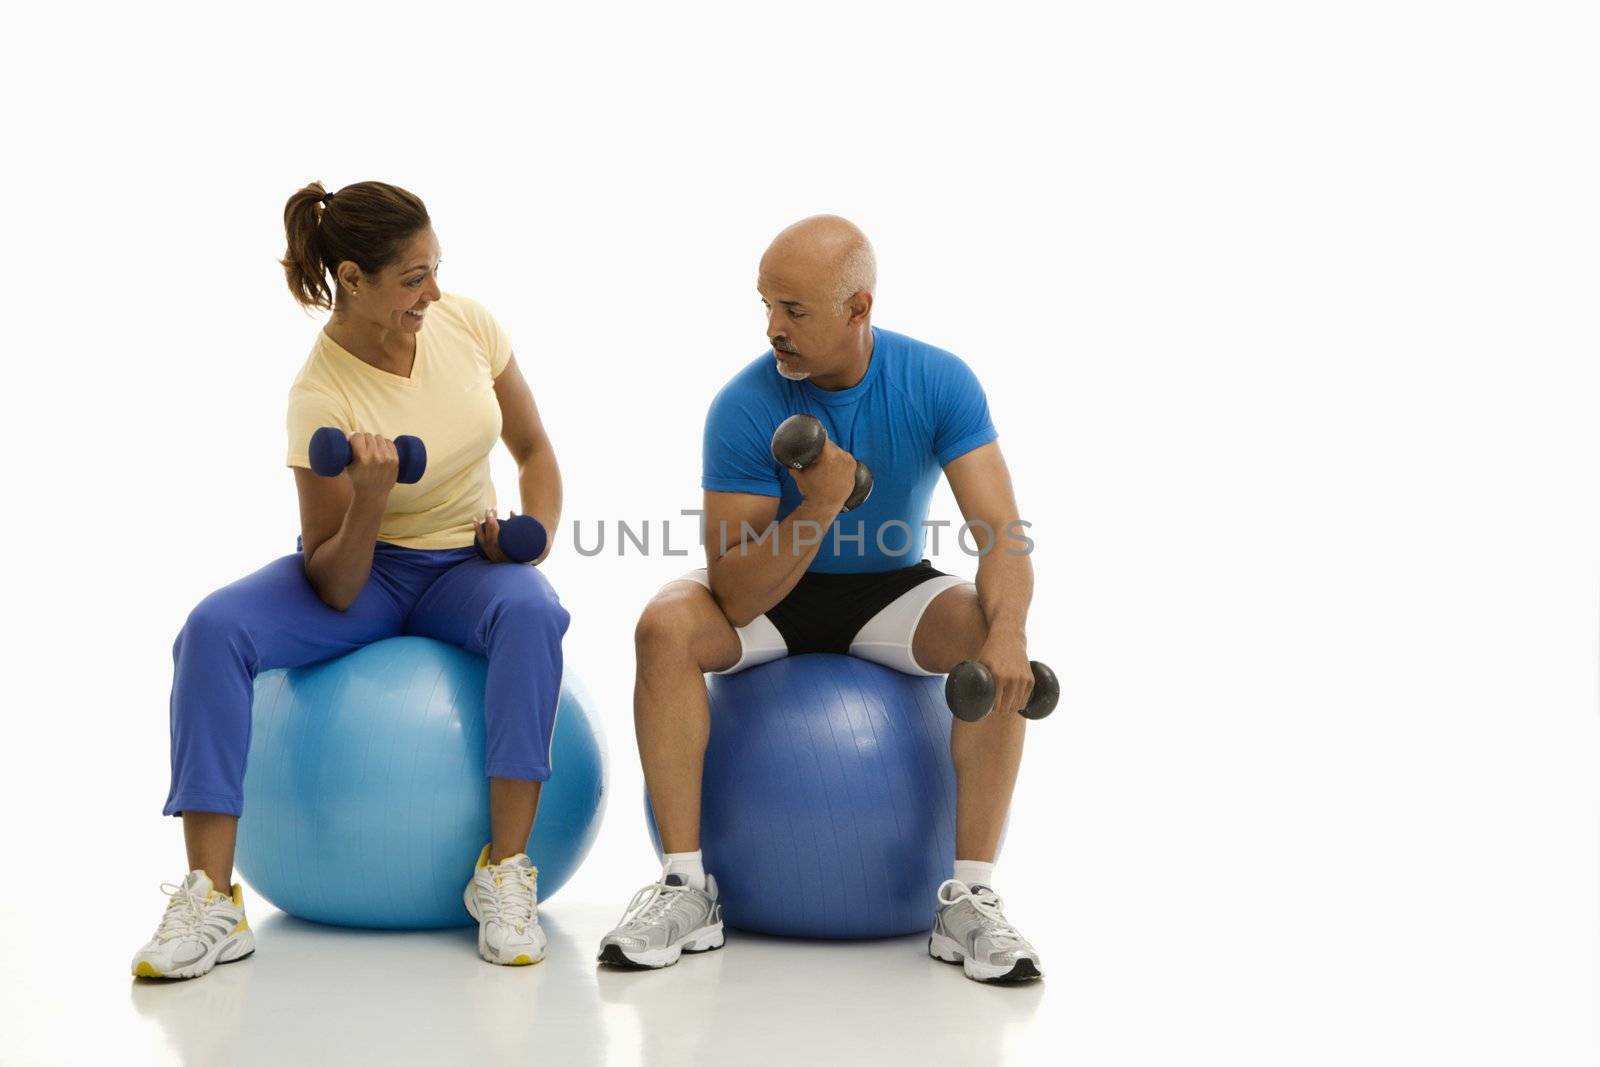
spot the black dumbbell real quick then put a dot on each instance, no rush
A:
(330, 454)
(970, 691)
(798, 441)
(522, 538)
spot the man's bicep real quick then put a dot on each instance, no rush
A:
(981, 483)
(732, 518)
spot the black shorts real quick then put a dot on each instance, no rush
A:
(872, 616)
(824, 612)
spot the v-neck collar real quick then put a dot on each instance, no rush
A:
(378, 373)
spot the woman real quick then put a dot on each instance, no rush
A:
(378, 559)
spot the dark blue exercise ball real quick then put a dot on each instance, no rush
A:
(828, 806)
(366, 802)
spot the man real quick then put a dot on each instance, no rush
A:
(909, 410)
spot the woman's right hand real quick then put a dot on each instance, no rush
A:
(374, 465)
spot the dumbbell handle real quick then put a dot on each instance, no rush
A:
(970, 691)
(331, 453)
(799, 440)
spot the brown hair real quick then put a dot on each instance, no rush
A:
(365, 223)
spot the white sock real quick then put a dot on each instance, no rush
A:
(687, 865)
(975, 873)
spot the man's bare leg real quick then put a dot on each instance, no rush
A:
(681, 635)
(986, 753)
(969, 928)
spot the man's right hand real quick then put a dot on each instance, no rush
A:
(830, 480)
(374, 465)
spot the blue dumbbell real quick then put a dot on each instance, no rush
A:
(330, 454)
(522, 538)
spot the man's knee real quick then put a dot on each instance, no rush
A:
(680, 622)
(666, 625)
(953, 628)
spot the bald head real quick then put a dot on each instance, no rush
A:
(826, 254)
(816, 280)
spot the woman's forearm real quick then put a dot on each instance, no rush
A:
(339, 567)
(539, 484)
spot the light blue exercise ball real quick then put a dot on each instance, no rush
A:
(366, 802)
(828, 802)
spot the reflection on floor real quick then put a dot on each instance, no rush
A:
(316, 994)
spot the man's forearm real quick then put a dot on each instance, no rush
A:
(753, 575)
(1005, 590)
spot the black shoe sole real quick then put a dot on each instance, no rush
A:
(698, 951)
(1023, 971)
(613, 956)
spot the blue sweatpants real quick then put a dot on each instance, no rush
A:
(273, 618)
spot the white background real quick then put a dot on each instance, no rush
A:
(1286, 316)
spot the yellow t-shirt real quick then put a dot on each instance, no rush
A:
(448, 401)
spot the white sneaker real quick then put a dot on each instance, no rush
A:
(200, 929)
(970, 928)
(504, 898)
(664, 920)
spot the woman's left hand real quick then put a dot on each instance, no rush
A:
(489, 538)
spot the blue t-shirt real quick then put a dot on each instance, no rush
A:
(916, 409)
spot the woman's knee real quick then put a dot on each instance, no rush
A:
(219, 615)
(534, 608)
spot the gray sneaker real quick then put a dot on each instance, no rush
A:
(970, 928)
(664, 920)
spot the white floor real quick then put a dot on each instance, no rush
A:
(315, 994)
(1220, 930)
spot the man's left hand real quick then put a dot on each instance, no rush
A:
(1006, 656)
